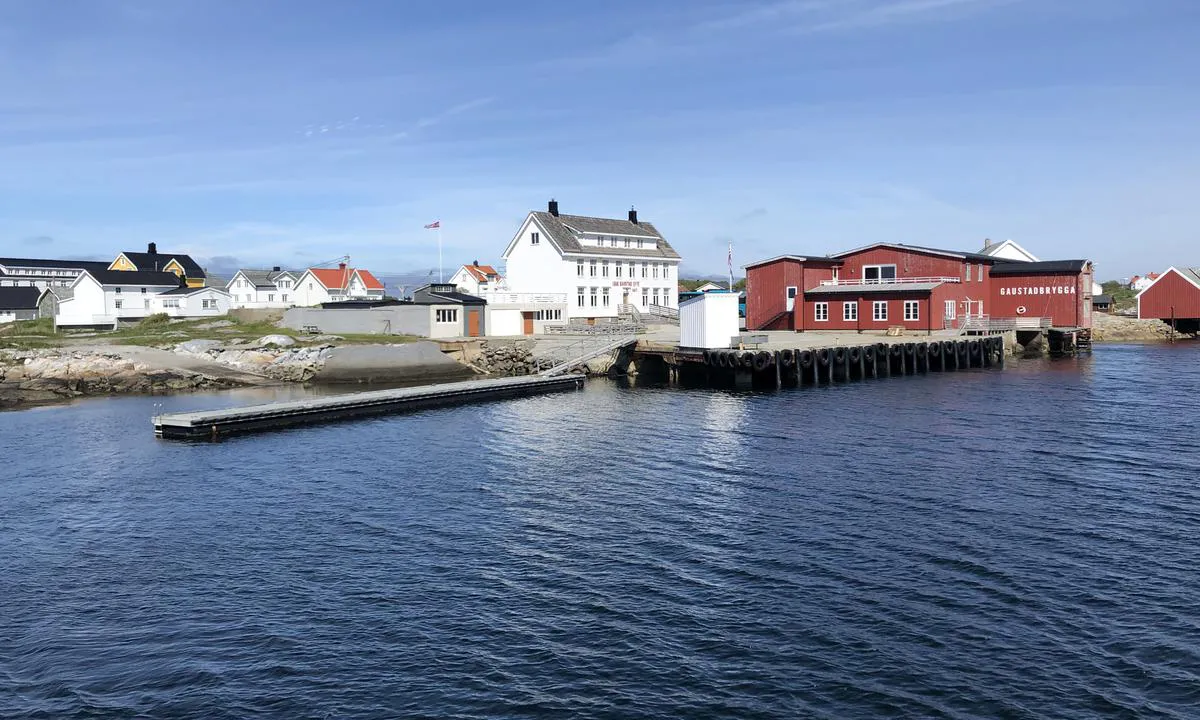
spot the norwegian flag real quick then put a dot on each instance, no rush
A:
(434, 225)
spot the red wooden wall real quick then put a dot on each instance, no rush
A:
(1171, 290)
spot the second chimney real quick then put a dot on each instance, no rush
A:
(152, 249)
(275, 269)
(633, 216)
(552, 206)
(341, 266)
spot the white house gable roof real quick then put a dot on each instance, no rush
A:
(1008, 249)
(564, 231)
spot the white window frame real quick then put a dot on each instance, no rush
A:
(876, 307)
(912, 310)
(592, 269)
(582, 295)
(879, 280)
(850, 311)
(535, 239)
(617, 269)
(578, 268)
(604, 268)
(979, 274)
(821, 312)
(951, 310)
(595, 294)
(446, 316)
(604, 294)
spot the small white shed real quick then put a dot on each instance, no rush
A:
(709, 320)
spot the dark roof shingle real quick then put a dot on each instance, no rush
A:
(134, 277)
(562, 229)
(19, 298)
(1042, 267)
(159, 260)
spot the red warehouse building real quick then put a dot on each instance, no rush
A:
(1174, 297)
(920, 289)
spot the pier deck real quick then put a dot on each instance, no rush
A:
(214, 424)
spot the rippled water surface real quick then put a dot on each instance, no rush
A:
(983, 544)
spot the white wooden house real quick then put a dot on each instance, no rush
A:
(274, 288)
(322, 285)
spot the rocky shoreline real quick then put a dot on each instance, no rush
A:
(1119, 329)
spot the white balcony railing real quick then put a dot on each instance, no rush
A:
(892, 281)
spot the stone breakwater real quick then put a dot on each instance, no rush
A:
(271, 357)
(41, 376)
(1116, 329)
(507, 358)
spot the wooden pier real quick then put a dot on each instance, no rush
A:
(791, 367)
(215, 424)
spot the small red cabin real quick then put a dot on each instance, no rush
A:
(1175, 295)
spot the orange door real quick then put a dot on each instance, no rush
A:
(528, 318)
(472, 323)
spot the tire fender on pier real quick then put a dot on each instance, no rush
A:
(763, 360)
(855, 354)
(824, 356)
(747, 360)
(910, 350)
(787, 357)
(839, 355)
(962, 347)
(922, 350)
(896, 350)
(974, 348)
(805, 358)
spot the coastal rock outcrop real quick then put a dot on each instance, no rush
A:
(1115, 329)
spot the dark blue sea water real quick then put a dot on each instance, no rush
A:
(1009, 544)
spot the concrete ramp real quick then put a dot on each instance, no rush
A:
(421, 361)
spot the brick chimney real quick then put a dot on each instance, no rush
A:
(633, 216)
(341, 266)
(552, 207)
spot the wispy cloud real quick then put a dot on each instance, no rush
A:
(38, 240)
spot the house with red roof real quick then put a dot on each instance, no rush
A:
(322, 285)
(474, 279)
(1140, 283)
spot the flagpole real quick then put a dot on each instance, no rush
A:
(729, 261)
(441, 277)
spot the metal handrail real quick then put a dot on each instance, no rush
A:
(893, 281)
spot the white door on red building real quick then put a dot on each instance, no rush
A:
(791, 299)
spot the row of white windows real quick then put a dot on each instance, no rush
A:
(648, 269)
(446, 315)
(270, 298)
(282, 284)
(205, 303)
(879, 310)
(649, 297)
(612, 241)
(548, 315)
(41, 271)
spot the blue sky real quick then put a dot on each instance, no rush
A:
(290, 132)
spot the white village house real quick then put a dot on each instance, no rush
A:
(475, 278)
(274, 288)
(322, 285)
(573, 267)
(105, 298)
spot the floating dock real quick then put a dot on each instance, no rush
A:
(826, 365)
(215, 424)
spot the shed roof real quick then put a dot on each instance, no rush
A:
(54, 264)
(134, 277)
(974, 257)
(19, 298)
(797, 258)
(1042, 267)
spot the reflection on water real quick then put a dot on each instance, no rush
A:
(974, 544)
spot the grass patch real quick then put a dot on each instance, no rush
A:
(29, 335)
(226, 329)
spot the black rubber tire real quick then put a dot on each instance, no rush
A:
(922, 350)
(747, 360)
(805, 358)
(855, 354)
(910, 350)
(763, 360)
(839, 355)
(824, 357)
(896, 350)
(787, 357)
(974, 347)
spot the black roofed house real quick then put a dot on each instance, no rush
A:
(1102, 303)
(152, 260)
(20, 303)
(584, 267)
(452, 313)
